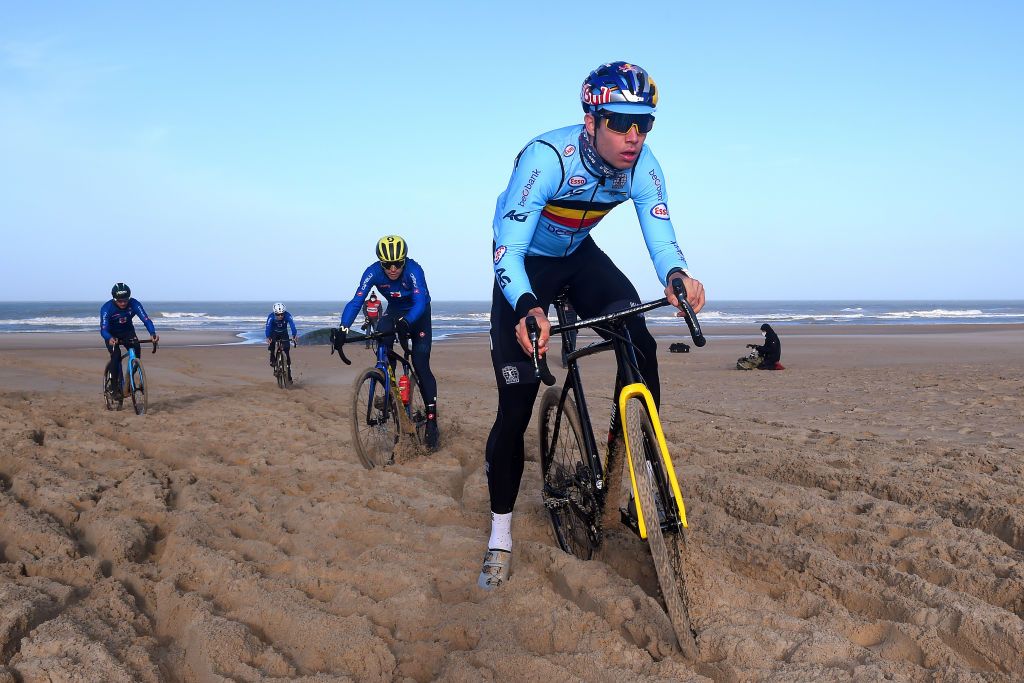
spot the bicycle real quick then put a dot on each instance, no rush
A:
(282, 371)
(377, 421)
(136, 380)
(576, 484)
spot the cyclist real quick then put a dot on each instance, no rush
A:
(563, 183)
(400, 279)
(279, 322)
(371, 314)
(117, 329)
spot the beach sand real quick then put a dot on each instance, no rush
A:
(858, 516)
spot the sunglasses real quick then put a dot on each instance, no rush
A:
(388, 265)
(621, 123)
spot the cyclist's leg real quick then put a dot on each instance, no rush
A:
(593, 295)
(422, 339)
(114, 364)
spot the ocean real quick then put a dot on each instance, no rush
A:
(451, 318)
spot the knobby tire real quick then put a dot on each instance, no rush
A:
(375, 432)
(138, 387)
(666, 549)
(281, 368)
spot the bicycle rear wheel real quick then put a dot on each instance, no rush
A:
(138, 386)
(567, 489)
(375, 428)
(657, 505)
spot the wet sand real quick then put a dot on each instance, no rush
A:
(858, 516)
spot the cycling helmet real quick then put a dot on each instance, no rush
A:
(278, 309)
(619, 87)
(121, 291)
(391, 248)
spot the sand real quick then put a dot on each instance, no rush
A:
(859, 516)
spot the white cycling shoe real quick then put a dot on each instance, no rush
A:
(496, 570)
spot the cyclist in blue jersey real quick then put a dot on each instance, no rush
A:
(279, 322)
(563, 183)
(117, 329)
(401, 281)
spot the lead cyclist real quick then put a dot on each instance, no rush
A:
(563, 183)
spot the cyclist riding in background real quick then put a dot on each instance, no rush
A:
(563, 183)
(400, 279)
(279, 322)
(371, 313)
(117, 329)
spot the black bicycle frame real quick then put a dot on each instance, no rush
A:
(627, 368)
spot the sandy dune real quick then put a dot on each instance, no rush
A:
(860, 517)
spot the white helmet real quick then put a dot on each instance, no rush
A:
(278, 309)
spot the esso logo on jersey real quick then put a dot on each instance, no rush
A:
(498, 253)
(569, 150)
(660, 211)
(577, 180)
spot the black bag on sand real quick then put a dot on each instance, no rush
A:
(679, 347)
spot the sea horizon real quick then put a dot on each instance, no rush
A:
(451, 318)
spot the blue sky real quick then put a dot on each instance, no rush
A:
(257, 150)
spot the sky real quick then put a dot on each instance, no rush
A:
(258, 150)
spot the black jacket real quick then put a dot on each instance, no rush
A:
(771, 350)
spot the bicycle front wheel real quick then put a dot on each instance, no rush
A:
(568, 491)
(281, 369)
(375, 428)
(658, 505)
(138, 386)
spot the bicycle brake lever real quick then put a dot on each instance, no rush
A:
(340, 348)
(688, 314)
(540, 363)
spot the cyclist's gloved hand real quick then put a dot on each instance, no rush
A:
(338, 337)
(402, 327)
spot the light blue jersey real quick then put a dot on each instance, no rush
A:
(560, 189)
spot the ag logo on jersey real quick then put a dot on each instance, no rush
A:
(499, 252)
(660, 211)
(577, 180)
(569, 150)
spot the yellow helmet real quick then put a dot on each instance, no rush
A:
(391, 248)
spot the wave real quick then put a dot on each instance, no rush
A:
(54, 320)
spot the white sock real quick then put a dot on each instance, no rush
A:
(501, 532)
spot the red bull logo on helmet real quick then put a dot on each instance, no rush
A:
(602, 96)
